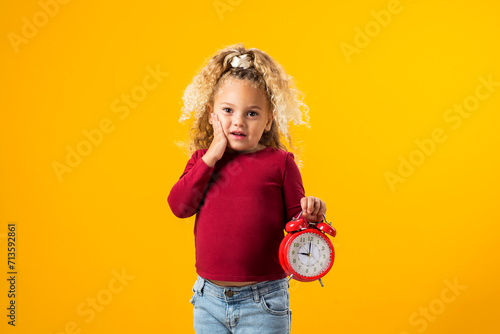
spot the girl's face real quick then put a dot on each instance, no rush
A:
(244, 115)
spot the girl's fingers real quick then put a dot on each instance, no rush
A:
(217, 125)
(313, 208)
(219, 142)
(310, 205)
(317, 206)
(313, 205)
(321, 211)
(307, 204)
(303, 204)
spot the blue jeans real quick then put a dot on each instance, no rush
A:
(261, 308)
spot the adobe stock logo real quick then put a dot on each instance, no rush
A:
(373, 28)
(121, 106)
(454, 116)
(89, 309)
(30, 27)
(429, 313)
(222, 6)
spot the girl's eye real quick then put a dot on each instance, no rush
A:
(252, 113)
(227, 109)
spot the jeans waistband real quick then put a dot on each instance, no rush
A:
(204, 286)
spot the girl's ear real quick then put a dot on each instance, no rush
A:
(269, 123)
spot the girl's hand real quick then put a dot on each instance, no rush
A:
(312, 208)
(219, 143)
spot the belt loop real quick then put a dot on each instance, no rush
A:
(256, 297)
(198, 286)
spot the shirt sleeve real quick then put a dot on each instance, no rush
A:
(187, 193)
(293, 189)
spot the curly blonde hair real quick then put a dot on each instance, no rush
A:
(284, 99)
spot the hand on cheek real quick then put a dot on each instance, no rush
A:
(219, 143)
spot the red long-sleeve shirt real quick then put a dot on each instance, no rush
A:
(242, 205)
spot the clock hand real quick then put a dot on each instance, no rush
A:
(312, 255)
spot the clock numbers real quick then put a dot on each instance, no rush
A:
(311, 254)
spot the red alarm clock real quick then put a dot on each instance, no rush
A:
(306, 254)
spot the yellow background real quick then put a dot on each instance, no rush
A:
(397, 248)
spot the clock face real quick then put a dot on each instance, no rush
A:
(309, 254)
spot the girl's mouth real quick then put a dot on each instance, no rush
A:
(238, 135)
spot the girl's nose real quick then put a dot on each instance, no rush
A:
(238, 119)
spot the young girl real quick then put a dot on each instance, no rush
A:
(244, 186)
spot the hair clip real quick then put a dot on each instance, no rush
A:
(242, 61)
